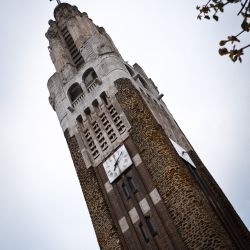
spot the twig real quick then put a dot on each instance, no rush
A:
(243, 6)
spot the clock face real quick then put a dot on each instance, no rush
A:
(117, 163)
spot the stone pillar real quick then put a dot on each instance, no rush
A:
(105, 230)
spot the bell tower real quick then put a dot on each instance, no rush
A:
(144, 185)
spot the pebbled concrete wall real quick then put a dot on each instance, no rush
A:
(105, 230)
(197, 223)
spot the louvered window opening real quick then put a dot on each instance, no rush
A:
(116, 119)
(91, 144)
(100, 137)
(74, 52)
(108, 128)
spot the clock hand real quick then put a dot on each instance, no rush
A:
(117, 161)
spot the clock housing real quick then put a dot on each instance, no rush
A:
(117, 163)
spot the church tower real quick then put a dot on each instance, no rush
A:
(144, 184)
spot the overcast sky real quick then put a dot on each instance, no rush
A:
(42, 207)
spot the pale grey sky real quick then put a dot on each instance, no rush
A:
(42, 207)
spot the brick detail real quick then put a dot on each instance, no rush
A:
(231, 218)
(191, 213)
(105, 230)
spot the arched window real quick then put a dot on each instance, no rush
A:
(89, 77)
(74, 92)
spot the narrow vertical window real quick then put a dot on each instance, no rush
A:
(108, 128)
(116, 119)
(99, 135)
(151, 225)
(143, 232)
(132, 184)
(104, 97)
(91, 144)
(74, 52)
(126, 190)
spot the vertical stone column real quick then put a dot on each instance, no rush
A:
(58, 53)
(105, 230)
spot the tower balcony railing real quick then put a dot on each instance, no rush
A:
(78, 99)
(93, 84)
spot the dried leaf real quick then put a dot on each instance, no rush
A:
(223, 51)
(223, 42)
(216, 18)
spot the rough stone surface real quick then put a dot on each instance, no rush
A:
(241, 231)
(105, 229)
(189, 209)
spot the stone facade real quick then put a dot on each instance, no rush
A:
(190, 211)
(166, 198)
